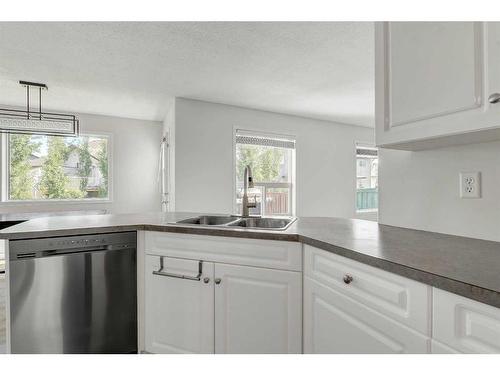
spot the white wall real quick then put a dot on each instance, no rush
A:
(135, 147)
(421, 190)
(204, 157)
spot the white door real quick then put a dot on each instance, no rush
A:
(257, 310)
(336, 324)
(179, 314)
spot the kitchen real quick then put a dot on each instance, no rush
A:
(250, 187)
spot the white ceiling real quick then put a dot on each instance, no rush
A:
(320, 70)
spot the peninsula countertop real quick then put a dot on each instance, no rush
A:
(465, 266)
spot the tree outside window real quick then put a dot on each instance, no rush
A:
(51, 167)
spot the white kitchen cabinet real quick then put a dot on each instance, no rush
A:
(465, 325)
(440, 348)
(257, 310)
(233, 308)
(432, 83)
(335, 323)
(396, 297)
(179, 313)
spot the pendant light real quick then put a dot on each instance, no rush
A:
(36, 121)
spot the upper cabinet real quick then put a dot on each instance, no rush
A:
(434, 83)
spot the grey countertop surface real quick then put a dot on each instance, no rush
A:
(465, 266)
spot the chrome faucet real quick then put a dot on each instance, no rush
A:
(247, 183)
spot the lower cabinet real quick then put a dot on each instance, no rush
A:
(257, 310)
(206, 307)
(335, 323)
(440, 348)
(464, 325)
(179, 313)
(350, 307)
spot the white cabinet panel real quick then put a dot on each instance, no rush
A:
(179, 313)
(440, 348)
(433, 69)
(465, 325)
(432, 83)
(394, 296)
(257, 310)
(334, 323)
(244, 251)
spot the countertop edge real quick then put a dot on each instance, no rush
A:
(474, 292)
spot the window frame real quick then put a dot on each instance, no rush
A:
(5, 172)
(356, 146)
(293, 172)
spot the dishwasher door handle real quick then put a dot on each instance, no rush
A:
(160, 272)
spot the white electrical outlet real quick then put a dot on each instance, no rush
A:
(470, 185)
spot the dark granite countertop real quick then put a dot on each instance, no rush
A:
(465, 266)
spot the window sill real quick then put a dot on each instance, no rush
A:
(41, 203)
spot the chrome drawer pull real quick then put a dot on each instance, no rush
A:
(177, 276)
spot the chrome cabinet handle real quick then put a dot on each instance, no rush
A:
(348, 279)
(494, 98)
(160, 272)
(218, 281)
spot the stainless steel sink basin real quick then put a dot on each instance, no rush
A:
(267, 223)
(263, 223)
(208, 220)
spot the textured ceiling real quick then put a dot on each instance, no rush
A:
(319, 70)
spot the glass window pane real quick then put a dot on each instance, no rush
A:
(49, 167)
(366, 180)
(270, 165)
(277, 201)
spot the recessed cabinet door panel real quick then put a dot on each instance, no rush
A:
(433, 70)
(257, 310)
(179, 312)
(465, 325)
(336, 324)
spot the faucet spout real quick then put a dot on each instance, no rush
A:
(247, 183)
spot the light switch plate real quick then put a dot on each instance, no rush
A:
(470, 185)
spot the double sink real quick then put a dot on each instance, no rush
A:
(266, 223)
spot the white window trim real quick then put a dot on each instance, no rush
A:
(356, 146)
(46, 203)
(292, 186)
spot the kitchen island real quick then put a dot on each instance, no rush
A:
(400, 260)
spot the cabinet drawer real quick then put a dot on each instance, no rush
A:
(337, 324)
(244, 251)
(465, 325)
(397, 297)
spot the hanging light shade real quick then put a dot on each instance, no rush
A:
(36, 121)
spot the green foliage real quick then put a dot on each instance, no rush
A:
(84, 165)
(53, 182)
(103, 167)
(21, 180)
(264, 161)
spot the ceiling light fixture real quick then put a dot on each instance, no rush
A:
(37, 122)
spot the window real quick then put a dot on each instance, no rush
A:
(41, 167)
(366, 178)
(272, 159)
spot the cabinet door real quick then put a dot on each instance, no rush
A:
(465, 325)
(336, 324)
(440, 348)
(257, 310)
(431, 84)
(179, 313)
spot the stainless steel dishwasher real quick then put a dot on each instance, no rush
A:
(75, 294)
